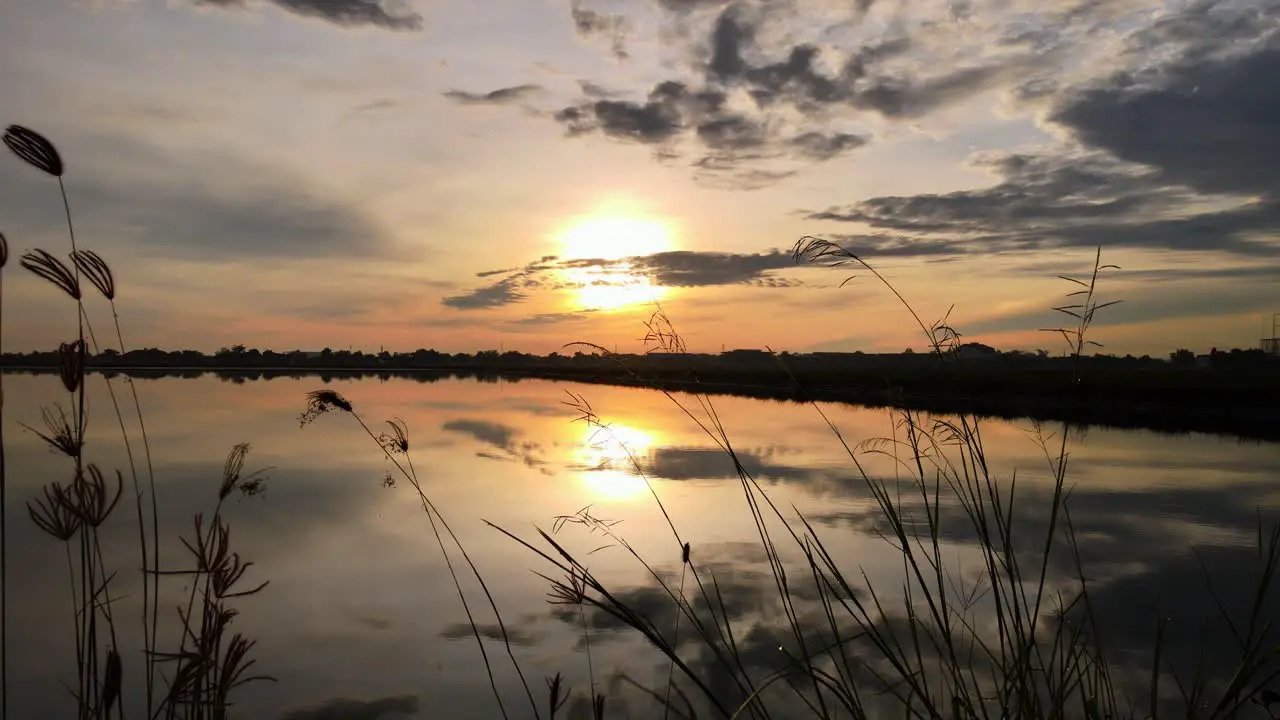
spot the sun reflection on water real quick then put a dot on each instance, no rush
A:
(606, 459)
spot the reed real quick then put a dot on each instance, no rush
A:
(1005, 645)
(394, 446)
(211, 661)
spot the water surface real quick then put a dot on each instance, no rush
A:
(360, 605)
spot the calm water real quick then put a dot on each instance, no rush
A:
(360, 607)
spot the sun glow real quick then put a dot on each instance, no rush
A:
(614, 237)
(612, 283)
(605, 457)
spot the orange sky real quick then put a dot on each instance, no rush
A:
(525, 174)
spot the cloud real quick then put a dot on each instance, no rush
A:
(190, 204)
(1069, 198)
(862, 81)
(791, 92)
(820, 146)
(503, 292)
(1174, 149)
(550, 318)
(687, 268)
(345, 13)
(504, 438)
(592, 90)
(492, 433)
(514, 635)
(668, 109)
(676, 268)
(1207, 123)
(508, 290)
(614, 28)
(501, 96)
(733, 144)
(374, 106)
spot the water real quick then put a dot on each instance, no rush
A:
(360, 605)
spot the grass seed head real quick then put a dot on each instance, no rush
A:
(93, 267)
(34, 149)
(320, 402)
(52, 269)
(54, 513)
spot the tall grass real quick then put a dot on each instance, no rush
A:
(1013, 642)
(211, 661)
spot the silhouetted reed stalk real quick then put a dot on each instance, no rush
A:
(92, 267)
(212, 665)
(208, 665)
(41, 154)
(4, 530)
(931, 657)
(394, 444)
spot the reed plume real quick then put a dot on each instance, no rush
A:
(34, 149)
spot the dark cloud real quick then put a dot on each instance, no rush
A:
(677, 268)
(747, 148)
(732, 34)
(346, 709)
(510, 289)
(734, 144)
(732, 132)
(614, 28)
(821, 146)
(1069, 199)
(669, 109)
(687, 268)
(1182, 153)
(1035, 189)
(860, 83)
(1212, 125)
(503, 292)
(346, 13)
(501, 96)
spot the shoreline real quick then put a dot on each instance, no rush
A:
(1221, 404)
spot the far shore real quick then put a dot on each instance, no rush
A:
(1234, 394)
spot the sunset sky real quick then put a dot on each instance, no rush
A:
(469, 174)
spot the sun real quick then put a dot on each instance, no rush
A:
(614, 237)
(612, 283)
(607, 456)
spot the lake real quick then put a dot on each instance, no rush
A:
(361, 607)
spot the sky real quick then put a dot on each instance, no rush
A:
(522, 174)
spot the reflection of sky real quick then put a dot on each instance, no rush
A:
(360, 605)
